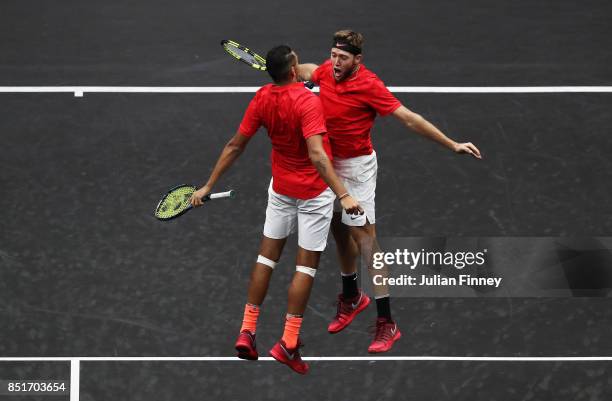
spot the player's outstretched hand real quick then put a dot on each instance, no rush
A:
(468, 148)
(350, 205)
(196, 198)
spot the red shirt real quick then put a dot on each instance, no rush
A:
(350, 108)
(290, 113)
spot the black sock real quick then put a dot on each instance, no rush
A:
(383, 307)
(349, 286)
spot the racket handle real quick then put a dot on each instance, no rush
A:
(219, 195)
(309, 84)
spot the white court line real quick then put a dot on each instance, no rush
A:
(75, 361)
(79, 91)
(316, 358)
(75, 378)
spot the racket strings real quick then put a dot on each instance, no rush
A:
(237, 51)
(241, 53)
(175, 202)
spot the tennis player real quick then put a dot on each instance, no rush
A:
(300, 197)
(352, 97)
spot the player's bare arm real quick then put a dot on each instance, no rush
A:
(420, 125)
(232, 150)
(305, 71)
(319, 159)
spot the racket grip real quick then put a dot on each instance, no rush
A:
(309, 84)
(219, 195)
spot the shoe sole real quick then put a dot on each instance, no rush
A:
(353, 316)
(245, 353)
(396, 337)
(280, 359)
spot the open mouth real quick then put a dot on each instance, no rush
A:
(337, 72)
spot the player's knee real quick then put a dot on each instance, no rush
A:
(306, 257)
(363, 236)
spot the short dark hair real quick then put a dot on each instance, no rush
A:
(279, 61)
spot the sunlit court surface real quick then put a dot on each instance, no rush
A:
(107, 105)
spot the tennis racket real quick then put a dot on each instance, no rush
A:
(244, 54)
(249, 57)
(176, 201)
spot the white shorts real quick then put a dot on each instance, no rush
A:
(359, 177)
(312, 217)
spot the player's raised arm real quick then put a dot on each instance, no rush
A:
(420, 125)
(305, 71)
(232, 150)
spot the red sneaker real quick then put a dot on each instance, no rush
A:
(246, 347)
(290, 357)
(347, 310)
(386, 334)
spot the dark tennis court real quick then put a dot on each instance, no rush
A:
(86, 270)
